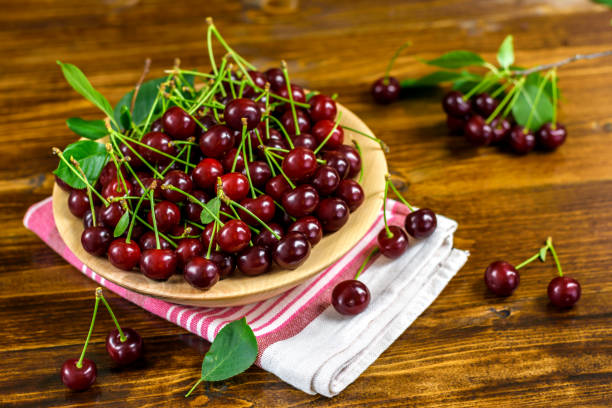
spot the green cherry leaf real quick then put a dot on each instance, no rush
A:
(505, 55)
(122, 225)
(144, 101)
(457, 59)
(604, 2)
(81, 84)
(125, 118)
(213, 206)
(543, 251)
(232, 352)
(92, 156)
(89, 129)
(525, 102)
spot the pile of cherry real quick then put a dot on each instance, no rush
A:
(279, 196)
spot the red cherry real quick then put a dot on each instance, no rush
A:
(338, 161)
(78, 378)
(96, 240)
(277, 186)
(305, 140)
(350, 297)
(235, 186)
(477, 131)
(147, 241)
(240, 108)
(206, 172)
(109, 173)
(186, 249)
(266, 239)
(456, 124)
(385, 90)
(333, 214)
(207, 237)
(322, 107)
(180, 180)
(78, 202)
(564, 292)
(262, 206)
(158, 141)
(501, 130)
(300, 201)
(228, 161)
(521, 141)
(351, 193)
(201, 273)
(260, 173)
(299, 164)
(225, 263)
(310, 227)
(116, 188)
(253, 261)
(351, 154)
(501, 278)
(130, 156)
(303, 121)
(127, 351)
(259, 79)
(455, 105)
(395, 245)
(292, 251)
(193, 210)
(62, 184)
(167, 216)
(550, 136)
(484, 104)
(234, 236)
(323, 128)
(216, 141)
(421, 223)
(178, 124)
(325, 180)
(158, 264)
(276, 78)
(124, 255)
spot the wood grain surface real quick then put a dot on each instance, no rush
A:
(469, 348)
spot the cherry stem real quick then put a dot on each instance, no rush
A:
(158, 246)
(169, 156)
(111, 153)
(193, 199)
(194, 387)
(79, 363)
(234, 203)
(112, 315)
(210, 48)
(550, 246)
(502, 104)
(366, 261)
(278, 166)
(398, 194)
(122, 138)
(282, 129)
(211, 91)
(518, 86)
(393, 58)
(127, 162)
(59, 153)
(331, 132)
(212, 238)
(290, 93)
(389, 233)
(360, 156)
(88, 189)
(553, 81)
(382, 144)
(574, 58)
(133, 220)
(534, 107)
(528, 261)
(483, 85)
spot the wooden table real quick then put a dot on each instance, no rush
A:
(469, 348)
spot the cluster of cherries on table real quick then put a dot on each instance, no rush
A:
(272, 219)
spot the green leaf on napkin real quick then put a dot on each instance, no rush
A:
(92, 156)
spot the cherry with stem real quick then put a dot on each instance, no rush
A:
(351, 297)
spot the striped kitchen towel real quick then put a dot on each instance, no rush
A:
(301, 339)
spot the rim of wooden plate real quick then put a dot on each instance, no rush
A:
(240, 289)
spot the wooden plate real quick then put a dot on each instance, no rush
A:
(239, 289)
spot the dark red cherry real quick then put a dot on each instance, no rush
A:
(352, 156)
(109, 173)
(127, 351)
(300, 201)
(111, 214)
(62, 184)
(128, 148)
(477, 131)
(501, 278)
(193, 210)
(207, 237)
(351, 193)
(78, 203)
(88, 219)
(147, 241)
(276, 78)
(259, 79)
(302, 119)
(551, 136)
(160, 142)
(338, 161)
(350, 297)
(201, 273)
(180, 180)
(456, 124)
(186, 249)
(206, 172)
(292, 251)
(305, 140)
(455, 105)
(124, 255)
(117, 188)
(240, 108)
(297, 92)
(163, 168)
(158, 264)
(310, 227)
(322, 129)
(421, 223)
(521, 141)
(253, 261)
(178, 123)
(224, 261)
(146, 182)
(228, 161)
(217, 141)
(564, 292)
(234, 236)
(322, 107)
(325, 180)
(266, 239)
(157, 126)
(484, 104)
(333, 213)
(501, 130)
(299, 164)
(78, 378)
(385, 90)
(277, 186)
(395, 245)
(167, 216)
(260, 173)
(263, 207)
(96, 240)
(235, 186)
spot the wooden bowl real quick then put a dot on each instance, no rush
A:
(240, 289)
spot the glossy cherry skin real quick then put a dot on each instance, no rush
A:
(350, 297)
(351, 193)
(146, 182)
(550, 137)
(501, 278)
(351, 154)
(266, 239)
(159, 141)
(129, 154)
(124, 255)
(275, 78)
(322, 107)
(180, 180)
(454, 104)
(395, 245)
(158, 264)
(167, 216)
(521, 141)
(228, 161)
(78, 379)
(303, 121)
(201, 273)
(206, 172)
(298, 96)
(484, 104)
(96, 240)
(305, 140)
(88, 219)
(385, 90)
(299, 164)
(147, 241)
(421, 223)
(291, 251)
(109, 173)
(253, 261)
(564, 292)
(501, 130)
(186, 249)
(193, 210)
(263, 207)
(259, 79)
(78, 203)
(326, 180)
(234, 236)
(240, 108)
(235, 186)
(207, 237)
(225, 262)
(310, 227)
(277, 186)
(260, 173)
(117, 188)
(157, 126)
(217, 141)
(333, 213)
(338, 161)
(111, 214)
(300, 201)
(178, 124)
(127, 351)
(322, 129)
(477, 131)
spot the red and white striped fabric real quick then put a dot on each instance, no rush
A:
(283, 320)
